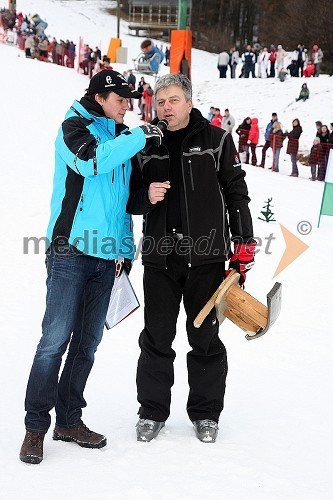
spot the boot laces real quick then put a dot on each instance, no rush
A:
(85, 429)
(36, 439)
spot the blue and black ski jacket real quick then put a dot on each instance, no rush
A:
(91, 183)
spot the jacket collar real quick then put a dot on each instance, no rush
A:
(87, 109)
(197, 121)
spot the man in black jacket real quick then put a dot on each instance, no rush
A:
(186, 189)
(131, 80)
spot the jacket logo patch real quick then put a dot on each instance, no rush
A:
(237, 161)
(195, 149)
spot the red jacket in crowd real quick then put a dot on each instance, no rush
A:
(254, 132)
(217, 120)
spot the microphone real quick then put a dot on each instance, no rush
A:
(162, 125)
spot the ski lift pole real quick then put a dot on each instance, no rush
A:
(182, 14)
(118, 18)
(12, 5)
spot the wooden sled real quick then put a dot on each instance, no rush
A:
(241, 308)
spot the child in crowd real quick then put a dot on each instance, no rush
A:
(314, 158)
(309, 69)
(304, 93)
(282, 74)
(217, 118)
(293, 68)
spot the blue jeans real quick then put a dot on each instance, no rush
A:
(293, 158)
(276, 156)
(78, 293)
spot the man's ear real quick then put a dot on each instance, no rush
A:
(98, 99)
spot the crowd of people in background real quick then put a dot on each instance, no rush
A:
(28, 32)
(259, 62)
(248, 139)
(30, 35)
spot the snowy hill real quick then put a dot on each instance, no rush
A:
(276, 429)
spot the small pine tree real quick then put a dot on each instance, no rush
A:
(267, 212)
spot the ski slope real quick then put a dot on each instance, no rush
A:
(276, 430)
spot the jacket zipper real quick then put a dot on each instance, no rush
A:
(95, 162)
(123, 166)
(79, 209)
(193, 132)
(239, 223)
(223, 210)
(77, 156)
(186, 207)
(191, 173)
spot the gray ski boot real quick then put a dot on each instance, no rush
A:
(146, 429)
(206, 430)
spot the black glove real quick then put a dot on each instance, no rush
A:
(152, 132)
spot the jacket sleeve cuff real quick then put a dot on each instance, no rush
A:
(147, 202)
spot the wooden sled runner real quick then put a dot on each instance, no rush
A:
(241, 308)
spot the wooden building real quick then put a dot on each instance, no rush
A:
(155, 16)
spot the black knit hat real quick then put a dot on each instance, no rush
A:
(111, 81)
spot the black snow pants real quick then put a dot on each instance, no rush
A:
(207, 359)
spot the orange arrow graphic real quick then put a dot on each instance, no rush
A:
(294, 248)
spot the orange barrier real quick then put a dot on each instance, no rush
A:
(180, 52)
(114, 44)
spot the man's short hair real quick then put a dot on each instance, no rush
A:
(274, 114)
(175, 79)
(217, 109)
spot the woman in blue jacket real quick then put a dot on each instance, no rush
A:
(88, 231)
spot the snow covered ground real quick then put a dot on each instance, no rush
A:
(275, 438)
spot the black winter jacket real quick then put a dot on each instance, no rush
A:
(212, 189)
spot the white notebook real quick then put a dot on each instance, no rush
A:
(123, 301)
